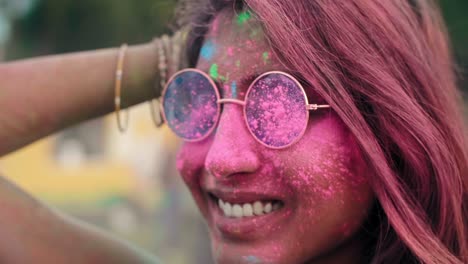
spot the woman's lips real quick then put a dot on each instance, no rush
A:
(246, 215)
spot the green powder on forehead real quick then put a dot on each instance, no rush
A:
(254, 33)
(214, 71)
(224, 78)
(266, 56)
(215, 74)
(243, 17)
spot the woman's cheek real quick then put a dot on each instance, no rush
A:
(190, 164)
(330, 171)
(190, 161)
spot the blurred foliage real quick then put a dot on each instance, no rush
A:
(455, 14)
(57, 26)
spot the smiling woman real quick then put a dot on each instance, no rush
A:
(380, 177)
(258, 200)
(314, 132)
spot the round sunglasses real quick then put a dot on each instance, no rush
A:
(276, 108)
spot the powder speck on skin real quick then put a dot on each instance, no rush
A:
(254, 33)
(215, 26)
(224, 78)
(208, 50)
(252, 259)
(266, 57)
(214, 71)
(226, 87)
(243, 17)
(230, 51)
(238, 63)
(234, 89)
(215, 74)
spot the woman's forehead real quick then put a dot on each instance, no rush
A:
(236, 46)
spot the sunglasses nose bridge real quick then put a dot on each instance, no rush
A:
(231, 101)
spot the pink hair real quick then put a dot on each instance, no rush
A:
(386, 68)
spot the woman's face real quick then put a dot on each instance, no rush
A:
(302, 203)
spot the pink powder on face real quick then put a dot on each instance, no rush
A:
(250, 44)
(316, 175)
(227, 91)
(230, 51)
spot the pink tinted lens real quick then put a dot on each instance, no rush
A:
(190, 105)
(276, 110)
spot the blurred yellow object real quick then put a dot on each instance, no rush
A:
(113, 176)
(35, 170)
(122, 179)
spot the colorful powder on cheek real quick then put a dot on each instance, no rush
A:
(237, 63)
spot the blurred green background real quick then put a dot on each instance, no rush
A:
(116, 181)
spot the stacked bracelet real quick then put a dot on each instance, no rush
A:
(162, 68)
(168, 50)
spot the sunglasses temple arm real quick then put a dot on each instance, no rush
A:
(316, 106)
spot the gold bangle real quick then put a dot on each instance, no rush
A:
(118, 86)
(162, 68)
(160, 122)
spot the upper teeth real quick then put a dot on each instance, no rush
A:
(248, 209)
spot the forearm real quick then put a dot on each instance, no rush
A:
(43, 95)
(31, 232)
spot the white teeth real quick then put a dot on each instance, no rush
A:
(237, 211)
(258, 208)
(248, 209)
(227, 210)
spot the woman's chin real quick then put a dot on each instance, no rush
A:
(227, 251)
(253, 239)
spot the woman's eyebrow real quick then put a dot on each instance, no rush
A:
(246, 80)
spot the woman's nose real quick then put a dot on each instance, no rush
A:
(233, 150)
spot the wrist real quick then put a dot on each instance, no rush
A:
(140, 75)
